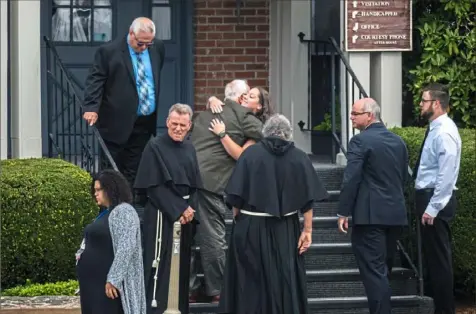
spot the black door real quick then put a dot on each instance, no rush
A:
(78, 27)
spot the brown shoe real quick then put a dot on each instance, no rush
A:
(216, 299)
(192, 298)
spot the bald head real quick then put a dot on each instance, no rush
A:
(365, 111)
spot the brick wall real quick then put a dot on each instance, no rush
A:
(226, 49)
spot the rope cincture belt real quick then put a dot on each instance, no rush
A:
(265, 214)
(158, 250)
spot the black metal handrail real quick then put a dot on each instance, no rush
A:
(337, 51)
(69, 135)
(329, 49)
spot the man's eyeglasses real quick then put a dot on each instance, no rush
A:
(141, 43)
(354, 113)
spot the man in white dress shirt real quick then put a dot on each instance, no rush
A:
(436, 174)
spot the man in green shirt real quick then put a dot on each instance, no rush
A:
(216, 166)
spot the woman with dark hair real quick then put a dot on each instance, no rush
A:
(109, 262)
(258, 102)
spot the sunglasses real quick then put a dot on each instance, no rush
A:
(141, 43)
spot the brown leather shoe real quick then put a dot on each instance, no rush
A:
(192, 298)
(216, 299)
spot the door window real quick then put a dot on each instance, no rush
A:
(82, 21)
(161, 15)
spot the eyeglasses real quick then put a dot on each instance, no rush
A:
(354, 113)
(141, 43)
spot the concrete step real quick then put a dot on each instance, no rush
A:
(411, 304)
(326, 256)
(347, 283)
(324, 230)
(331, 175)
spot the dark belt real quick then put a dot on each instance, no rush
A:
(425, 191)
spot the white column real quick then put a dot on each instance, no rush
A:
(386, 85)
(25, 79)
(360, 64)
(289, 64)
(3, 79)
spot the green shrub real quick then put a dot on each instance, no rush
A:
(464, 238)
(45, 205)
(67, 288)
(445, 46)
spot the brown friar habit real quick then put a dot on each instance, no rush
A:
(272, 182)
(169, 172)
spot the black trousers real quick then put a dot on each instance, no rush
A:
(374, 248)
(437, 253)
(128, 155)
(211, 236)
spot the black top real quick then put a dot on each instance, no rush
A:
(274, 177)
(374, 179)
(167, 162)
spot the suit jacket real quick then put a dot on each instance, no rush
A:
(374, 179)
(214, 162)
(111, 91)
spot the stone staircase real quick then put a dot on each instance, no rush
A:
(333, 281)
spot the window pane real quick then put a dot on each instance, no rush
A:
(161, 18)
(60, 25)
(102, 2)
(82, 3)
(82, 24)
(102, 25)
(81, 19)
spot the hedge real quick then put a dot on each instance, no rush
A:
(464, 238)
(46, 203)
(65, 288)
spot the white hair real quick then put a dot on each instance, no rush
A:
(370, 105)
(181, 109)
(235, 89)
(142, 24)
(278, 125)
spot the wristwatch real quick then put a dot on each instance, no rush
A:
(222, 134)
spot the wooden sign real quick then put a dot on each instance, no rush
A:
(378, 25)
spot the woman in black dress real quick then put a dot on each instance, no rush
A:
(109, 262)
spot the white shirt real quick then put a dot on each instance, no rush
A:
(439, 163)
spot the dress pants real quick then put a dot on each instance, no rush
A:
(437, 252)
(210, 235)
(374, 248)
(128, 155)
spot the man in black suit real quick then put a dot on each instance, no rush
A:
(373, 194)
(122, 93)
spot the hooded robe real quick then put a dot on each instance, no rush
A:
(264, 271)
(169, 172)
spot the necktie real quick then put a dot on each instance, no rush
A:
(143, 90)
(417, 164)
